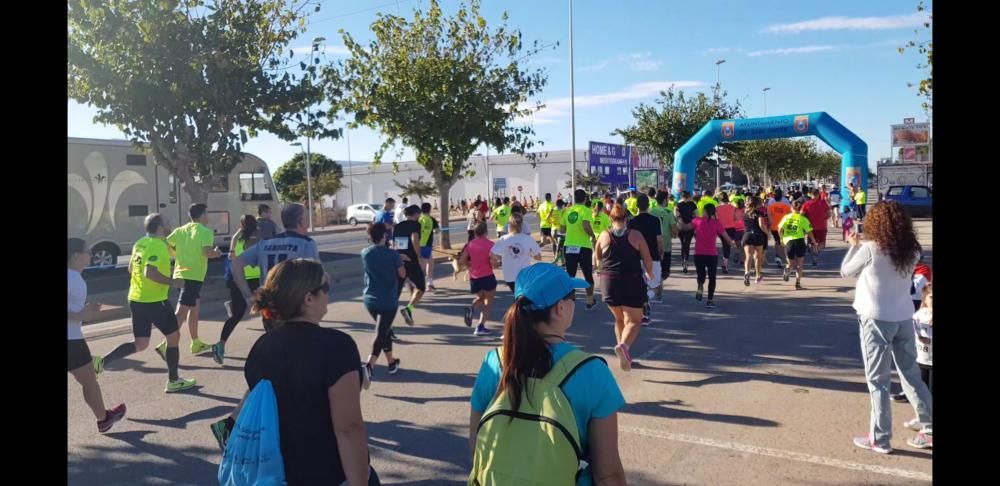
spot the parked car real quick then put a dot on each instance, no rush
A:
(362, 213)
(916, 200)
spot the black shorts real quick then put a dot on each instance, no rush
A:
(623, 291)
(190, 293)
(664, 266)
(547, 231)
(796, 249)
(145, 315)
(584, 260)
(754, 239)
(777, 237)
(485, 284)
(77, 354)
(414, 274)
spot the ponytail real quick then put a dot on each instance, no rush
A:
(525, 353)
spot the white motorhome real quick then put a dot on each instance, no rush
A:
(112, 186)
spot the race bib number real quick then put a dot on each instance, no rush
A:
(572, 250)
(402, 242)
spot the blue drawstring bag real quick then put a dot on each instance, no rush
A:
(253, 453)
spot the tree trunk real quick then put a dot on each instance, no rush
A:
(444, 190)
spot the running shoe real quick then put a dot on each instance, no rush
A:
(111, 416)
(866, 443)
(710, 304)
(784, 274)
(624, 358)
(407, 315)
(221, 430)
(777, 261)
(482, 331)
(392, 335)
(725, 270)
(366, 375)
(759, 278)
(198, 347)
(218, 352)
(591, 303)
(431, 287)
(899, 397)
(180, 384)
(468, 317)
(645, 320)
(161, 349)
(746, 279)
(697, 295)
(98, 362)
(394, 367)
(921, 441)
(798, 285)
(684, 268)
(914, 425)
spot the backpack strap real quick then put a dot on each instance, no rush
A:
(563, 369)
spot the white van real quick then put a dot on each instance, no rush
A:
(112, 186)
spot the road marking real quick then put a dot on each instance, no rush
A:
(780, 454)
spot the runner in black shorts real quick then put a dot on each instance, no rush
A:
(754, 238)
(685, 214)
(78, 359)
(406, 239)
(580, 242)
(149, 268)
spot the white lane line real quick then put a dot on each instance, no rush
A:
(780, 454)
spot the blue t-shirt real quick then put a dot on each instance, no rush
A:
(381, 277)
(284, 246)
(592, 392)
(387, 218)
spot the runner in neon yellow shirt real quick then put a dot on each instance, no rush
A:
(544, 212)
(149, 287)
(705, 200)
(501, 214)
(601, 220)
(795, 230)
(580, 242)
(559, 225)
(193, 244)
(632, 203)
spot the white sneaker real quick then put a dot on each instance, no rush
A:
(914, 425)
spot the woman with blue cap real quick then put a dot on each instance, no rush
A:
(534, 343)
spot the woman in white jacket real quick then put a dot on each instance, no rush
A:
(884, 264)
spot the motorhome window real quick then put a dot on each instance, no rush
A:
(221, 185)
(132, 159)
(138, 210)
(253, 187)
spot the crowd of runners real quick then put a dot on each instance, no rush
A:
(622, 244)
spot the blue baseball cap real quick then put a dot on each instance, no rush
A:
(545, 284)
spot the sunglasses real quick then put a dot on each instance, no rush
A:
(325, 288)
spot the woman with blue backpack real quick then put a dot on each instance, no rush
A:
(309, 377)
(538, 389)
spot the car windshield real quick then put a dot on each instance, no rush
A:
(377, 207)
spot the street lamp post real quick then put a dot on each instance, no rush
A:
(572, 105)
(350, 166)
(765, 90)
(718, 71)
(308, 182)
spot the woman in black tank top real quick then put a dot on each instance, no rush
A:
(624, 257)
(754, 239)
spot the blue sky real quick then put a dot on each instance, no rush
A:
(838, 57)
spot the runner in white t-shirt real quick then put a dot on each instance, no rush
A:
(513, 250)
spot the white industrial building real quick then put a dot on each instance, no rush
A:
(507, 173)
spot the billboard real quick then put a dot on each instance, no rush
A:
(911, 134)
(611, 161)
(646, 178)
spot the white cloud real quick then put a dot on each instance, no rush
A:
(334, 50)
(792, 50)
(637, 61)
(558, 108)
(851, 23)
(722, 50)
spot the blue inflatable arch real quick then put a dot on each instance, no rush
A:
(853, 150)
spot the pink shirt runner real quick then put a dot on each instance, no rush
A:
(479, 257)
(705, 233)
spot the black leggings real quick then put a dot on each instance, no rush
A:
(686, 237)
(703, 264)
(238, 305)
(383, 321)
(926, 376)
(725, 248)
